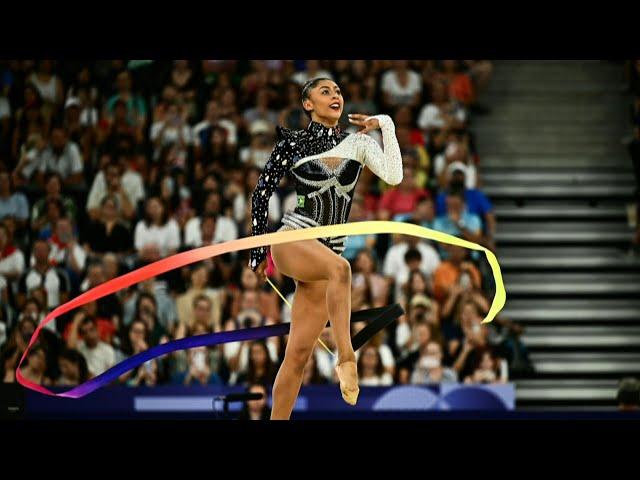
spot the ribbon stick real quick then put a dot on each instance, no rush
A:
(199, 254)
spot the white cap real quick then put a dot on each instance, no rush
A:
(457, 167)
(72, 102)
(260, 126)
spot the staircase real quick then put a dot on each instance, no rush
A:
(554, 165)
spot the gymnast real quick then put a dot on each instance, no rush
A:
(325, 163)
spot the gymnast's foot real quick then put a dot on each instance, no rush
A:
(348, 376)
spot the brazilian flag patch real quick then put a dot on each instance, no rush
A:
(301, 200)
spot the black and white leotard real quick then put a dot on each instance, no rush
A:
(325, 164)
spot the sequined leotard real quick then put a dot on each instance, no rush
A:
(324, 188)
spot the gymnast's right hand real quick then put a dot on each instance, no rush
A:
(260, 272)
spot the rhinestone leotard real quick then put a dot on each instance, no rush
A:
(325, 163)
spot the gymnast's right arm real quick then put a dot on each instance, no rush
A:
(278, 164)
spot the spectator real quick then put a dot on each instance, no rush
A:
(356, 243)
(456, 157)
(459, 83)
(35, 368)
(65, 251)
(11, 258)
(12, 204)
(199, 362)
(199, 304)
(42, 274)
(487, 370)
(73, 368)
(225, 228)
(398, 260)
(422, 335)
(61, 156)
(261, 110)
(458, 221)
(260, 368)
(454, 270)
(401, 86)
(476, 202)
(136, 110)
(172, 133)
(369, 288)
(370, 369)
(111, 185)
(108, 234)
(256, 409)
(48, 84)
(159, 303)
(183, 79)
(441, 115)
(312, 70)
(428, 367)
(401, 199)
(84, 337)
(158, 235)
(203, 131)
(53, 192)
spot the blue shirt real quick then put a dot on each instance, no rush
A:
(445, 225)
(14, 206)
(403, 217)
(354, 244)
(476, 202)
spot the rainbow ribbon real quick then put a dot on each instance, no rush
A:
(199, 254)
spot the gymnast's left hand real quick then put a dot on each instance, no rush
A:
(361, 121)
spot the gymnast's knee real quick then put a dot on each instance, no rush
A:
(298, 356)
(340, 271)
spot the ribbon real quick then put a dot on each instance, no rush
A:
(199, 254)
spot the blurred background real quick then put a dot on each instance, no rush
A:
(106, 166)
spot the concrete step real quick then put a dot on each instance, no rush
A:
(563, 160)
(560, 191)
(554, 284)
(612, 364)
(566, 258)
(543, 336)
(557, 212)
(568, 311)
(578, 390)
(546, 177)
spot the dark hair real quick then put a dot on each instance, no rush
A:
(127, 347)
(201, 298)
(306, 90)
(165, 211)
(87, 320)
(379, 366)
(252, 375)
(141, 297)
(456, 192)
(78, 359)
(32, 300)
(412, 254)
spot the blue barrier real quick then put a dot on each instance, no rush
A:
(179, 401)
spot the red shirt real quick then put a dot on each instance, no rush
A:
(397, 201)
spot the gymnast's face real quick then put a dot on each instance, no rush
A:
(325, 102)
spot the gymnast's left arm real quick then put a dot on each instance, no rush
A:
(387, 163)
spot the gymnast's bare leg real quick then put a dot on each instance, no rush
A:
(323, 291)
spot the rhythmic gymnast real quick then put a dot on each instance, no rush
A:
(325, 164)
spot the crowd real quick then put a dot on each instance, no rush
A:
(107, 166)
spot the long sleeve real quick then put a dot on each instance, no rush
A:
(385, 164)
(277, 166)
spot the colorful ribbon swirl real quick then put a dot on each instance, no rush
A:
(199, 254)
